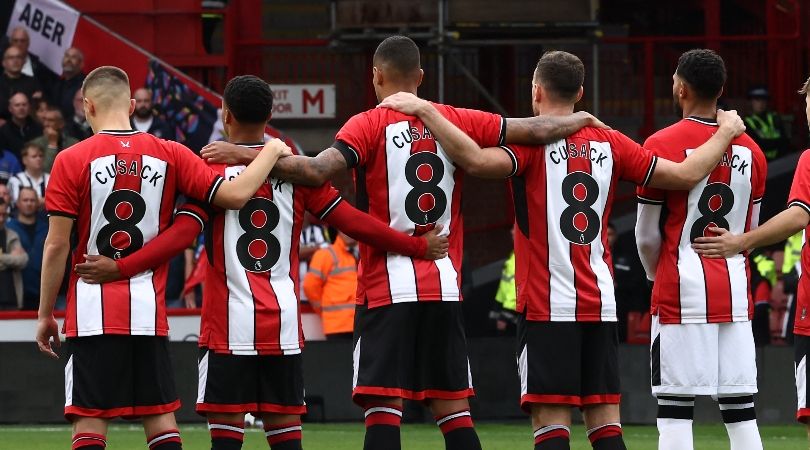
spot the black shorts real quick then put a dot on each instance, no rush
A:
(415, 350)
(568, 363)
(109, 376)
(256, 384)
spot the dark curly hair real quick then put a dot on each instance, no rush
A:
(249, 99)
(704, 71)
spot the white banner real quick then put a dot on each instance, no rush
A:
(303, 101)
(50, 24)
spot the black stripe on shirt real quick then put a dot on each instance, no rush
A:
(329, 208)
(649, 201)
(800, 203)
(513, 158)
(62, 214)
(650, 171)
(349, 154)
(212, 190)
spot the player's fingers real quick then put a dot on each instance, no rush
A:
(439, 227)
(57, 341)
(717, 230)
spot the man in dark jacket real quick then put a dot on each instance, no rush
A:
(32, 227)
(21, 128)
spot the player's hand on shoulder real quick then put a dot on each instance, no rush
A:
(592, 121)
(221, 152)
(279, 147)
(47, 329)
(437, 246)
(731, 121)
(723, 245)
(98, 269)
(406, 103)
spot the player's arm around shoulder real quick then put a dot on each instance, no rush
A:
(490, 162)
(233, 194)
(685, 175)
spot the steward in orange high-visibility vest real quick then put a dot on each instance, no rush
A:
(331, 284)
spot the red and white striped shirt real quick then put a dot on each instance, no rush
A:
(563, 194)
(800, 196)
(689, 288)
(120, 187)
(251, 291)
(404, 178)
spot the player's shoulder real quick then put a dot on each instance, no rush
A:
(804, 158)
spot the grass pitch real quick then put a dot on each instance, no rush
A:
(349, 436)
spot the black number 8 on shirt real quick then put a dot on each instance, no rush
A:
(124, 209)
(579, 222)
(258, 250)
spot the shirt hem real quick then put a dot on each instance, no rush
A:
(118, 332)
(683, 320)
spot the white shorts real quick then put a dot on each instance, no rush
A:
(801, 347)
(716, 359)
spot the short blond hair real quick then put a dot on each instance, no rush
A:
(107, 85)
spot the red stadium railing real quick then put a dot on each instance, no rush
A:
(772, 59)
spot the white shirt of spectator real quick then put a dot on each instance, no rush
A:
(143, 125)
(23, 179)
(28, 68)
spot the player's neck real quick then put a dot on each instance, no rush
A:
(238, 135)
(117, 122)
(552, 109)
(391, 90)
(704, 110)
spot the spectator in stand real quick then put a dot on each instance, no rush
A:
(5, 195)
(32, 66)
(504, 313)
(12, 80)
(78, 127)
(31, 227)
(313, 237)
(21, 128)
(64, 89)
(33, 176)
(54, 139)
(40, 109)
(9, 165)
(12, 260)
(766, 127)
(331, 285)
(144, 119)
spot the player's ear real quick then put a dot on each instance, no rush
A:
(579, 94)
(721, 92)
(131, 106)
(377, 76)
(421, 77)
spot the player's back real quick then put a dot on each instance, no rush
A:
(563, 194)
(251, 296)
(120, 187)
(689, 288)
(405, 179)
